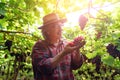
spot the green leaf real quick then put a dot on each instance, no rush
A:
(118, 48)
(91, 55)
(0, 26)
(109, 60)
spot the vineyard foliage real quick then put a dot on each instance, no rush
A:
(19, 22)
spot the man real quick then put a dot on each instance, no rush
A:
(54, 58)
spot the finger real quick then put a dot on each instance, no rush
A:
(74, 47)
(81, 44)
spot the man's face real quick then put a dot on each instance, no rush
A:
(53, 32)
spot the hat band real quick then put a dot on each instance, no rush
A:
(51, 21)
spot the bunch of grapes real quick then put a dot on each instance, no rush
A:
(82, 21)
(98, 34)
(8, 44)
(112, 50)
(1, 16)
(77, 41)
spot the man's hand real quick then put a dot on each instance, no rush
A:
(69, 48)
(74, 45)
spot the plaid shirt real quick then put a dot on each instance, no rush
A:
(41, 62)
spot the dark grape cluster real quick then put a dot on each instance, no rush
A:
(97, 61)
(1, 16)
(112, 50)
(98, 34)
(20, 57)
(8, 44)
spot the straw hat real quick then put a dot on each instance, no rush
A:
(51, 18)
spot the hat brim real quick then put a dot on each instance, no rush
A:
(61, 20)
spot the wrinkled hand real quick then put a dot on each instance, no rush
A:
(68, 49)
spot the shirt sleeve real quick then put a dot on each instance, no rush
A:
(76, 64)
(41, 59)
